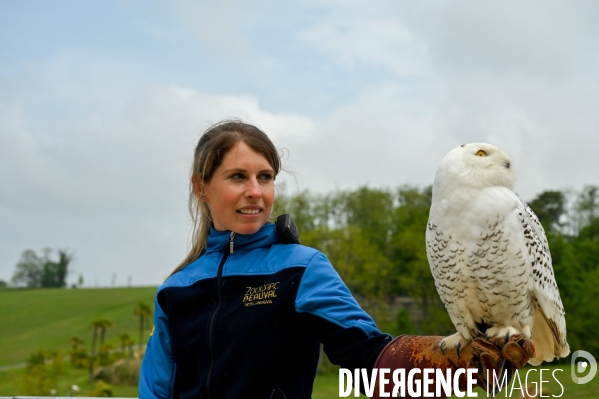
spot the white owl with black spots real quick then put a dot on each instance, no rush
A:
(489, 255)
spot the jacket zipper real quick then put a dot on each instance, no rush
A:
(219, 276)
(278, 391)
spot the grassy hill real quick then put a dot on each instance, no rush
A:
(47, 318)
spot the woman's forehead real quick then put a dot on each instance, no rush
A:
(242, 156)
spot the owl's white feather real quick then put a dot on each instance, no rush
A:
(489, 255)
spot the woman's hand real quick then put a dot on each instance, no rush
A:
(490, 358)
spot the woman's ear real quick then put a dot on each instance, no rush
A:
(198, 188)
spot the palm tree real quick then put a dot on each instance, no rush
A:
(104, 354)
(144, 312)
(97, 325)
(105, 324)
(126, 342)
(78, 354)
(75, 343)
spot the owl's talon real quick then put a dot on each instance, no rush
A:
(458, 348)
(442, 346)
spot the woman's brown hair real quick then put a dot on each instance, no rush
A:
(214, 144)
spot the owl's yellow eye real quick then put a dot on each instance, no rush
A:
(481, 153)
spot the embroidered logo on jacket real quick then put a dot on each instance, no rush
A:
(260, 295)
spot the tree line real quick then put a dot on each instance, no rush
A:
(375, 238)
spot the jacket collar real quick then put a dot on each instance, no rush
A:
(218, 241)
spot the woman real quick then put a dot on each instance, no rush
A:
(244, 314)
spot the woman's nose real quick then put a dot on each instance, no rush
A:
(253, 189)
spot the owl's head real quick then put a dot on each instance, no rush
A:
(475, 165)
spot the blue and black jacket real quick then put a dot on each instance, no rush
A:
(245, 320)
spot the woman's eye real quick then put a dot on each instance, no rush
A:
(266, 177)
(237, 176)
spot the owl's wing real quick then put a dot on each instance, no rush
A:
(535, 224)
(544, 290)
(443, 254)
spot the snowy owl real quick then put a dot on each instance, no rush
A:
(489, 255)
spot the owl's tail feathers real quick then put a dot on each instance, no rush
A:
(549, 339)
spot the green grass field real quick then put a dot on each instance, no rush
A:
(79, 377)
(47, 319)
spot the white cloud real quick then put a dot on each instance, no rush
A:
(368, 35)
(97, 147)
(221, 26)
(536, 38)
(111, 183)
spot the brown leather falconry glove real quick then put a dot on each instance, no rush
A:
(423, 352)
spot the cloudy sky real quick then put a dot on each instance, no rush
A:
(101, 104)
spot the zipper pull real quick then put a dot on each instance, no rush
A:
(232, 237)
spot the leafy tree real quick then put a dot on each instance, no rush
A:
(42, 373)
(54, 274)
(550, 208)
(144, 312)
(29, 270)
(300, 206)
(3, 284)
(364, 269)
(411, 269)
(403, 323)
(586, 206)
(369, 210)
(35, 271)
(577, 275)
(582, 315)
